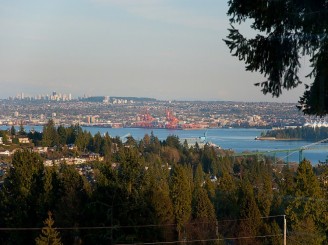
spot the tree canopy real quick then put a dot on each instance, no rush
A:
(287, 30)
(153, 191)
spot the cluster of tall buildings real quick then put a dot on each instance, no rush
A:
(54, 96)
(92, 119)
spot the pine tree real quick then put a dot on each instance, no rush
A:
(62, 135)
(306, 212)
(199, 176)
(226, 200)
(106, 147)
(181, 194)
(203, 215)
(249, 212)
(285, 31)
(21, 129)
(49, 234)
(163, 208)
(50, 136)
(21, 195)
(72, 194)
(12, 131)
(97, 141)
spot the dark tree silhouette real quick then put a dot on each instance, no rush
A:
(288, 30)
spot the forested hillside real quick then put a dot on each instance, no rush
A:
(304, 133)
(153, 191)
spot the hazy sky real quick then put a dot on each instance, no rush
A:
(165, 49)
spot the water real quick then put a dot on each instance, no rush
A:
(239, 140)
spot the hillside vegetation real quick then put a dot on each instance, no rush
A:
(158, 191)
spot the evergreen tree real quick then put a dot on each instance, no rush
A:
(50, 136)
(72, 196)
(106, 147)
(173, 141)
(181, 195)
(203, 216)
(82, 140)
(21, 129)
(199, 176)
(226, 200)
(3, 134)
(203, 209)
(155, 145)
(322, 173)
(62, 135)
(306, 232)
(250, 212)
(97, 142)
(51, 189)
(133, 195)
(49, 234)
(163, 208)
(209, 160)
(210, 187)
(260, 176)
(272, 228)
(104, 207)
(36, 137)
(21, 194)
(287, 30)
(13, 130)
(146, 140)
(308, 208)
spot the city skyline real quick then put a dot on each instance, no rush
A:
(60, 96)
(166, 50)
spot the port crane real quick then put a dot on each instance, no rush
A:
(172, 121)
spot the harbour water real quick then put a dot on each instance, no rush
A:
(238, 140)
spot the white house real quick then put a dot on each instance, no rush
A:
(5, 153)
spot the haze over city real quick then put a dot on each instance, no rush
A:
(149, 48)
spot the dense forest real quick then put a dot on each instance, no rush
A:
(153, 191)
(304, 133)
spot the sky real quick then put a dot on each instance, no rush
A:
(163, 49)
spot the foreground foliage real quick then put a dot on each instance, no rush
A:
(162, 191)
(287, 30)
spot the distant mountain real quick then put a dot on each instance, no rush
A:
(93, 99)
(134, 98)
(101, 98)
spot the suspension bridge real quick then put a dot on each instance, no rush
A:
(319, 145)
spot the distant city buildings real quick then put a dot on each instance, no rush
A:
(92, 119)
(53, 97)
(146, 112)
